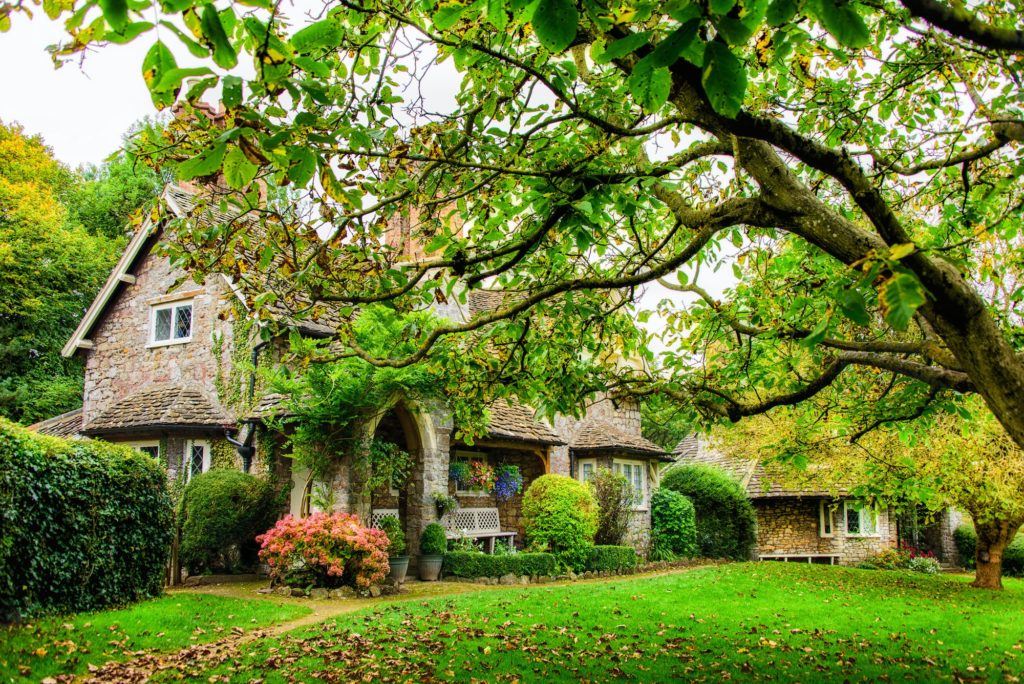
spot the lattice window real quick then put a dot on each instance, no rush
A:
(171, 323)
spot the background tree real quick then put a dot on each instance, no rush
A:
(594, 147)
(51, 266)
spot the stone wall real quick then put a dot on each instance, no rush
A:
(790, 526)
(121, 363)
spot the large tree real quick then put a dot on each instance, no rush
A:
(589, 148)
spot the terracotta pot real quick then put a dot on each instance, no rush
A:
(399, 566)
(430, 568)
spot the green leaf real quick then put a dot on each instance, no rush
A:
(323, 34)
(224, 54)
(129, 33)
(157, 62)
(303, 166)
(853, 306)
(116, 13)
(724, 79)
(734, 31)
(497, 14)
(447, 16)
(312, 66)
(238, 170)
(674, 44)
(780, 12)
(817, 334)
(203, 165)
(555, 23)
(843, 21)
(722, 7)
(623, 47)
(171, 79)
(900, 296)
(197, 89)
(195, 48)
(232, 91)
(176, 6)
(650, 86)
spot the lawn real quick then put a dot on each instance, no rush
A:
(753, 621)
(53, 646)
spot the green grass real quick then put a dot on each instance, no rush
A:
(753, 621)
(52, 646)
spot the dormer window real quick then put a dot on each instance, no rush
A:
(171, 323)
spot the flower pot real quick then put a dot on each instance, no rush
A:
(399, 566)
(430, 568)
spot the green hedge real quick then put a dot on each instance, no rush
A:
(222, 511)
(83, 524)
(560, 513)
(613, 558)
(726, 523)
(476, 564)
(1013, 558)
(673, 523)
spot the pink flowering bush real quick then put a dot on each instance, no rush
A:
(325, 551)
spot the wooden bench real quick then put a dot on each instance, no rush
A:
(477, 523)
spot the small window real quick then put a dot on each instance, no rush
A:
(172, 323)
(825, 522)
(587, 470)
(861, 519)
(634, 473)
(197, 459)
(149, 448)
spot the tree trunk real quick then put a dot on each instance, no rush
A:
(993, 538)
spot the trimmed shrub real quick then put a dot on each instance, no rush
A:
(222, 511)
(928, 566)
(1013, 557)
(615, 499)
(673, 524)
(560, 512)
(725, 519)
(613, 558)
(325, 551)
(433, 541)
(84, 525)
(472, 564)
(392, 527)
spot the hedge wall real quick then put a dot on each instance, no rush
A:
(476, 564)
(613, 558)
(725, 518)
(83, 524)
(1013, 557)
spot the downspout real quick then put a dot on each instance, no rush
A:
(245, 449)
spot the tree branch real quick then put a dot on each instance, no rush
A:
(964, 24)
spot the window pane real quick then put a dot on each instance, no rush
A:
(162, 325)
(588, 471)
(153, 451)
(183, 322)
(195, 466)
(638, 480)
(868, 521)
(852, 519)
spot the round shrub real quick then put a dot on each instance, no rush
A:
(560, 512)
(84, 525)
(725, 519)
(392, 527)
(433, 541)
(222, 511)
(325, 551)
(673, 523)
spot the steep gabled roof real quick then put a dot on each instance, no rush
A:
(65, 425)
(600, 436)
(160, 407)
(761, 481)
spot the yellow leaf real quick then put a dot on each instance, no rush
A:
(897, 252)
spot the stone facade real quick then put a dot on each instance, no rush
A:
(790, 527)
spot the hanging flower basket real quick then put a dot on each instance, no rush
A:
(508, 482)
(481, 476)
(459, 473)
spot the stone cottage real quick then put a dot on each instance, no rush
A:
(165, 362)
(799, 520)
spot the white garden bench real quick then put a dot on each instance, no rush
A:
(379, 514)
(477, 523)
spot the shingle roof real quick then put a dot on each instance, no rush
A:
(484, 301)
(164, 406)
(517, 423)
(598, 435)
(65, 425)
(760, 480)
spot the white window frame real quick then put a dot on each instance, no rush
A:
(467, 456)
(592, 462)
(826, 519)
(187, 457)
(139, 445)
(173, 306)
(641, 502)
(862, 508)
